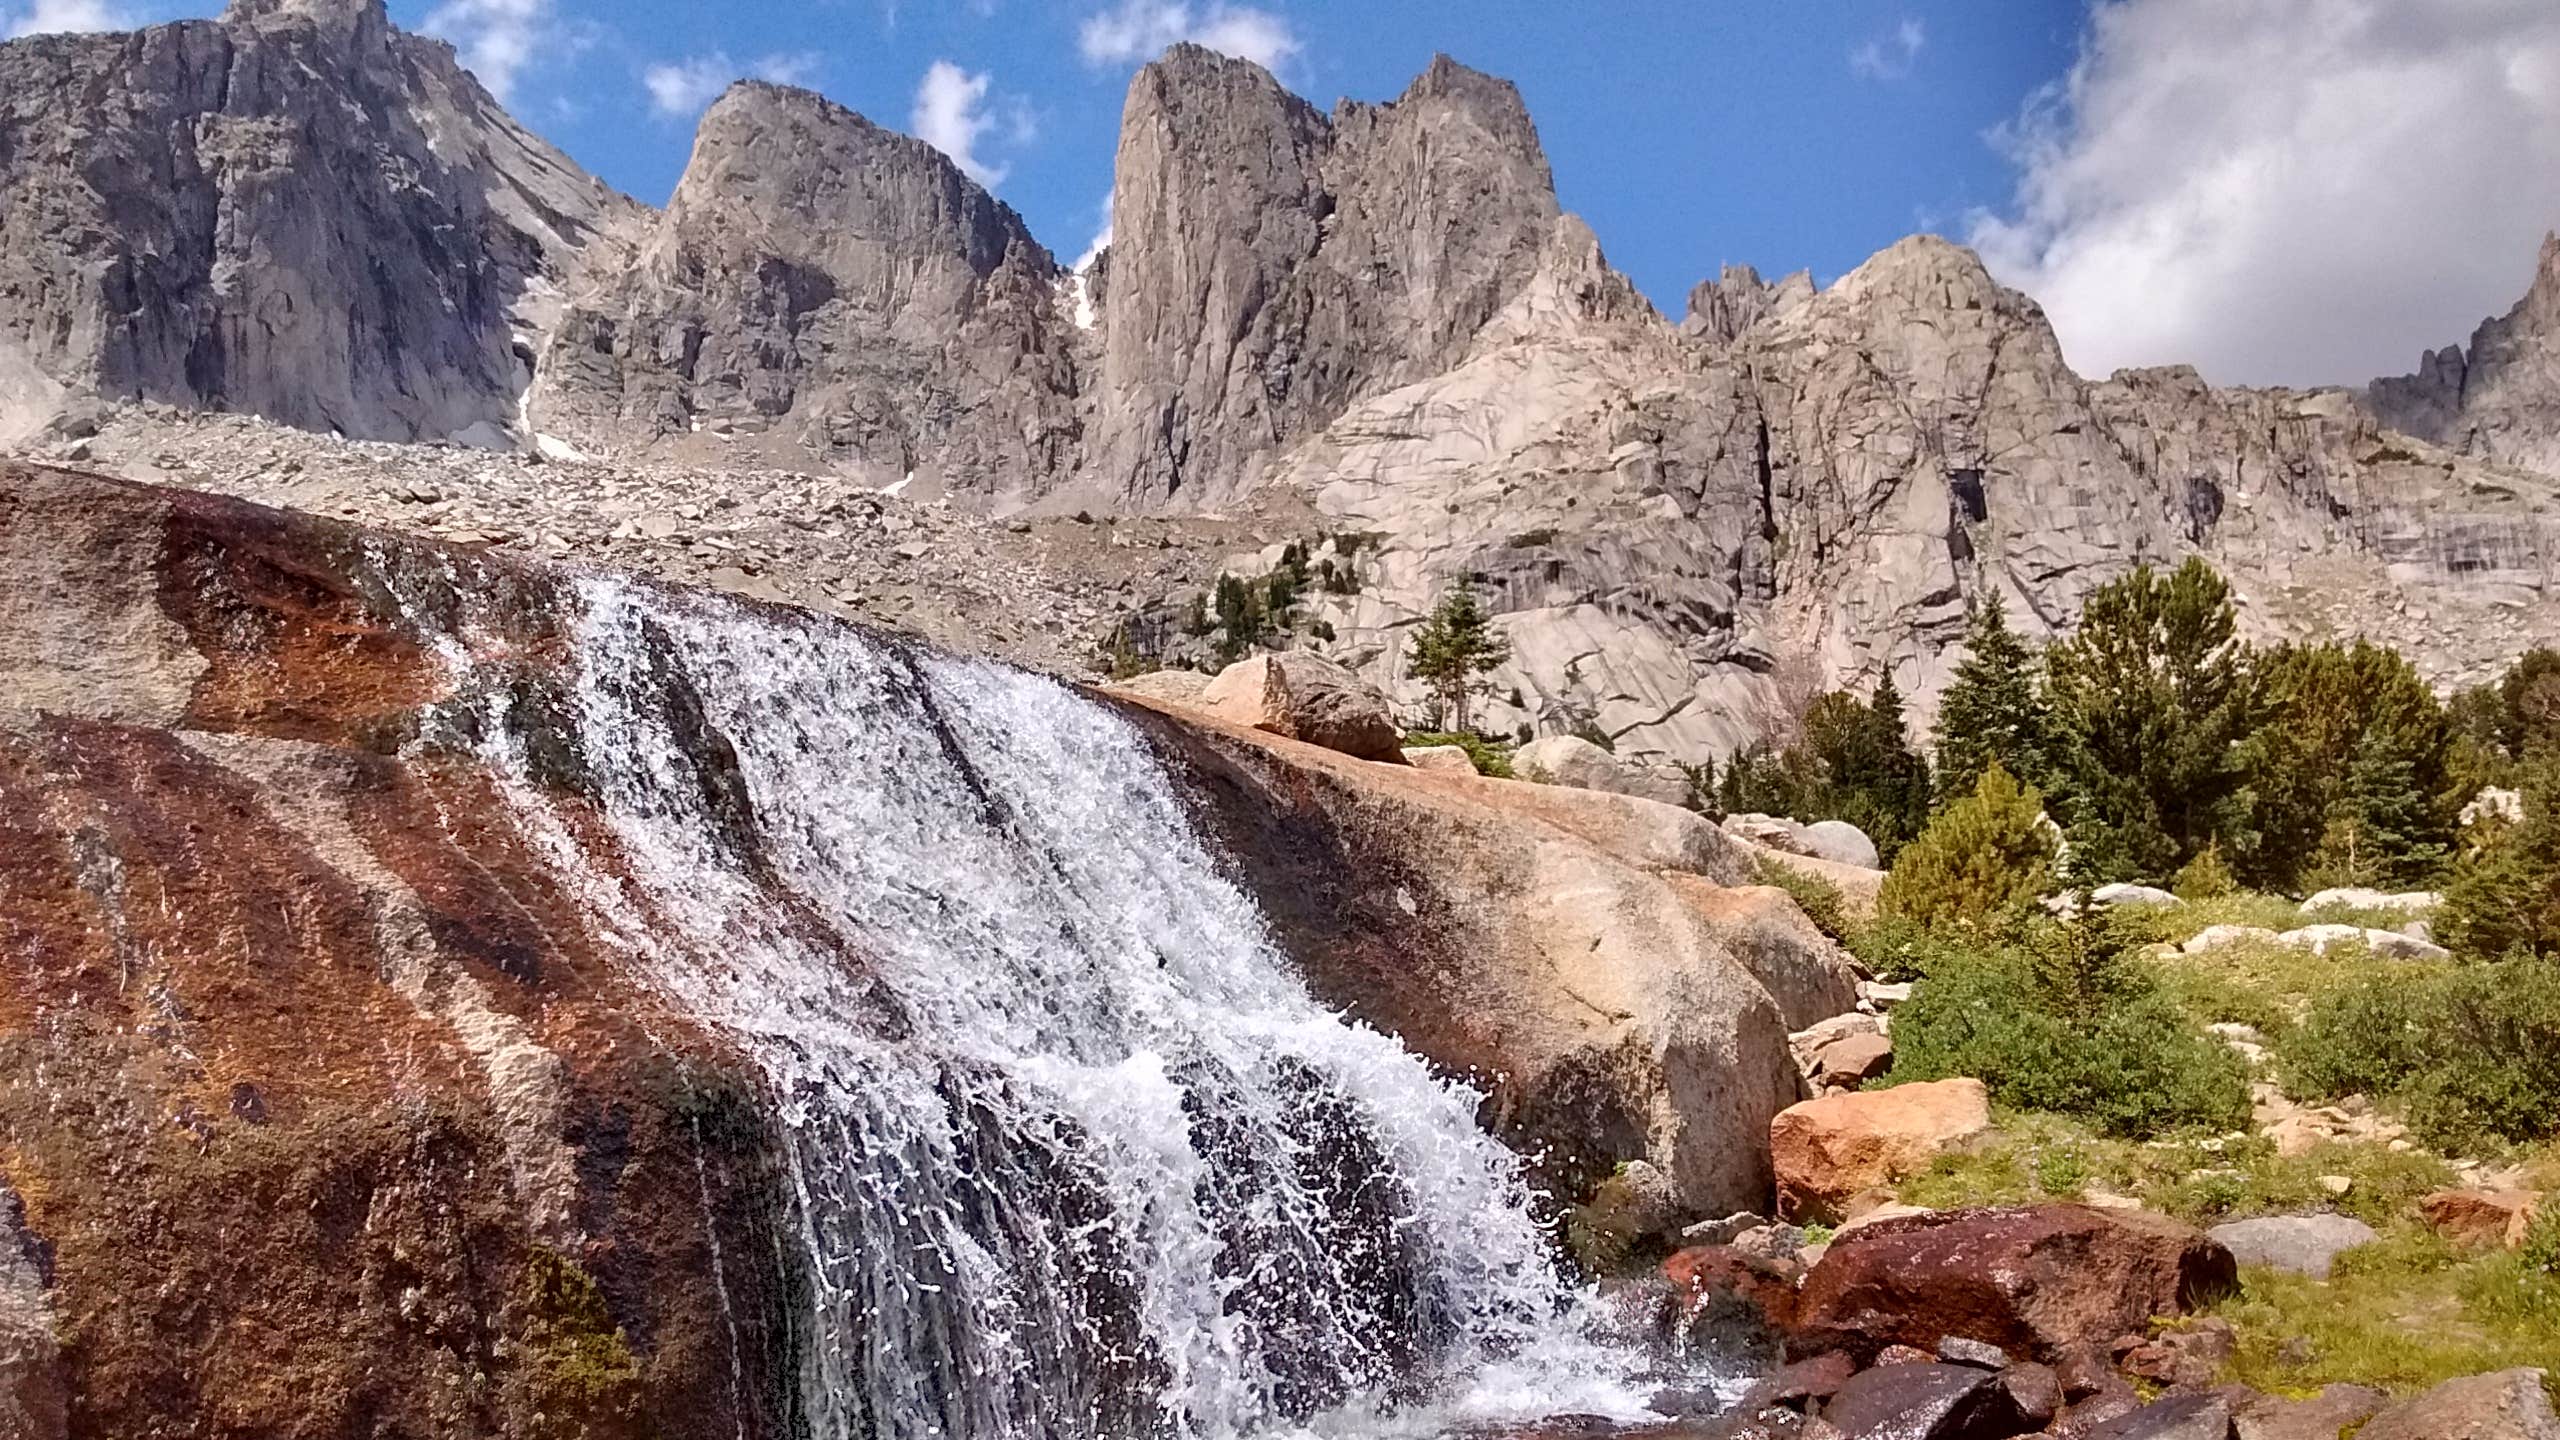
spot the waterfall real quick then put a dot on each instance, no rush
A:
(1072, 1151)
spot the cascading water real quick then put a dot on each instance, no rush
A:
(1074, 1154)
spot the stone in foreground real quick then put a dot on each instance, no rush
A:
(2301, 1244)
(1828, 1150)
(2505, 1405)
(1925, 1402)
(2033, 1280)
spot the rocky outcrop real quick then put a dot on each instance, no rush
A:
(1290, 263)
(1533, 938)
(2035, 1281)
(823, 288)
(295, 211)
(2500, 398)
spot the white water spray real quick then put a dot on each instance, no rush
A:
(1073, 1152)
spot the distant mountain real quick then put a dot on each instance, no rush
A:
(296, 211)
(2500, 400)
(1686, 528)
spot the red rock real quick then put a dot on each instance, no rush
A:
(1718, 1280)
(2188, 1359)
(1828, 1150)
(2035, 1390)
(1815, 1380)
(2033, 1280)
(1924, 1401)
(2482, 1219)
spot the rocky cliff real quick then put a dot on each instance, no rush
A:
(2500, 398)
(294, 211)
(1271, 265)
(397, 1042)
(833, 286)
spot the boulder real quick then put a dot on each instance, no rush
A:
(1304, 697)
(1924, 1401)
(2179, 1417)
(1774, 832)
(1573, 761)
(2324, 1416)
(1450, 759)
(2034, 1280)
(2215, 937)
(1179, 687)
(2320, 939)
(1829, 1149)
(2187, 1359)
(1852, 1060)
(2145, 896)
(2504, 1405)
(1736, 1296)
(2415, 902)
(2302, 1244)
(2398, 945)
(1839, 842)
(2482, 1219)
(1633, 1212)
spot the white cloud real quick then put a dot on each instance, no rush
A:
(1101, 240)
(2286, 191)
(1140, 29)
(1889, 57)
(679, 89)
(498, 39)
(951, 116)
(52, 17)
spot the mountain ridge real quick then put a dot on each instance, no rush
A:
(1383, 313)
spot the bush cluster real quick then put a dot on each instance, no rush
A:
(2064, 1020)
(2471, 1053)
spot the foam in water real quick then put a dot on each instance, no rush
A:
(1073, 1151)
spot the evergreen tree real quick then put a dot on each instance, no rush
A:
(2347, 769)
(2507, 897)
(1984, 856)
(2148, 702)
(2529, 702)
(1992, 710)
(1452, 652)
(1858, 755)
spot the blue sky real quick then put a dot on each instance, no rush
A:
(2277, 191)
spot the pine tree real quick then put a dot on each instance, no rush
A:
(2507, 897)
(1985, 855)
(2348, 769)
(1992, 709)
(2149, 702)
(1452, 652)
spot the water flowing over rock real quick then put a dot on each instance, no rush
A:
(716, 1018)
(296, 211)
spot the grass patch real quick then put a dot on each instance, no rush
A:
(2261, 983)
(1819, 899)
(2401, 1315)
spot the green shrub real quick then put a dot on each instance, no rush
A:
(2471, 1052)
(2205, 877)
(1491, 757)
(1986, 855)
(1819, 899)
(2067, 1023)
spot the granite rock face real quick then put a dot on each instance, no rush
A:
(1272, 264)
(2500, 398)
(838, 288)
(295, 211)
